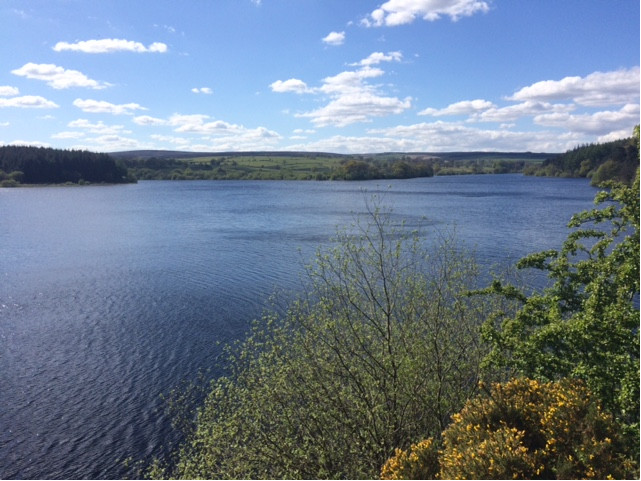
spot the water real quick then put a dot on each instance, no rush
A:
(110, 296)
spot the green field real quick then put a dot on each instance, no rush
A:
(165, 165)
(268, 167)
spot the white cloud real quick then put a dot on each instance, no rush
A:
(597, 89)
(200, 124)
(212, 134)
(68, 135)
(334, 38)
(598, 123)
(8, 91)
(202, 90)
(290, 85)
(57, 77)
(28, 143)
(259, 138)
(614, 135)
(356, 107)
(180, 141)
(400, 12)
(378, 57)
(195, 124)
(28, 102)
(100, 107)
(109, 45)
(98, 128)
(351, 98)
(524, 109)
(111, 143)
(464, 107)
(350, 81)
(148, 120)
(456, 136)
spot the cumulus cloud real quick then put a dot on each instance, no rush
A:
(564, 114)
(199, 132)
(378, 57)
(180, 141)
(600, 123)
(356, 107)
(197, 124)
(102, 107)
(111, 143)
(57, 77)
(148, 120)
(8, 91)
(110, 45)
(399, 12)
(568, 107)
(350, 96)
(28, 102)
(28, 143)
(443, 137)
(202, 90)
(290, 85)
(68, 135)
(524, 109)
(597, 89)
(202, 125)
(350, 81)
(98, 127)
(455, 136)
(334, 38)
(464, 107)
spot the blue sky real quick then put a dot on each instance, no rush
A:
(348, 76)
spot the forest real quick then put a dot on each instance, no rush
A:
(616, 160)
(39, 165)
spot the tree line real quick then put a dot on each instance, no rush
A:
(616, 160)
(39, 165)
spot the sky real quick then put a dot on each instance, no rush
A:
(344, 76)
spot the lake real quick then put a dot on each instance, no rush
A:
(111, 295)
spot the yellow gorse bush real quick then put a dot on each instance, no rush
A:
(523, 429)
(420, 461)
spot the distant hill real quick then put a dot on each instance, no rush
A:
(449, 156)
(617, 160)
(286, 165)
(178, 154)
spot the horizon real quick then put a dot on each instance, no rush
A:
(323, 76)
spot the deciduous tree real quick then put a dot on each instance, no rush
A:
(382, 349)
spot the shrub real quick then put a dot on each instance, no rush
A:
(523, 429)
(383, 346)
(420, 461)
(526, 429)
(585, 325)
